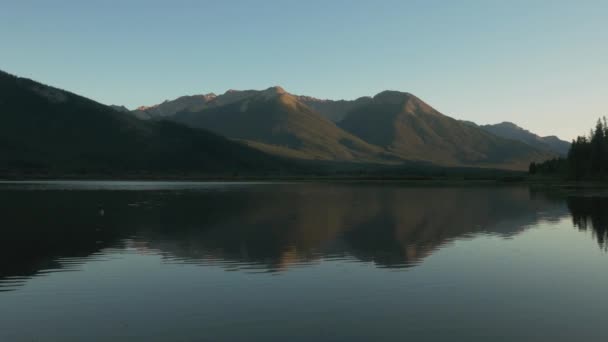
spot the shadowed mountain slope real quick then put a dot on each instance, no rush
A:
(411, 129)
(510, 130)
(48, 130)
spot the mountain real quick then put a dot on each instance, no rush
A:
(390, 127)
(191, 103)
(120, 108)
(330, 109)
(169, 108)
(560, 146)
(46, 130)
(334, 110)
(277, 122)
(406, 126)
(510, 130)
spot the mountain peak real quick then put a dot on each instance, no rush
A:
(393, 97)
(208, 96)
(509, 124)
(275, 90)
(408, 102)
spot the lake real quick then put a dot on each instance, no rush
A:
(197, 261)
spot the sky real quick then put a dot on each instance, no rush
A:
(540, 64)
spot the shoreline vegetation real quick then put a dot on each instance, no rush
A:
(297, 170)
(523, 179)
(587, 158)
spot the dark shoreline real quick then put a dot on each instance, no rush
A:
(422, 180)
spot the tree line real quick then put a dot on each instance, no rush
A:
(586, 159)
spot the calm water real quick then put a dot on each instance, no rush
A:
(150, 261)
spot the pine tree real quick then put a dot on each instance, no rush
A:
(532, 168)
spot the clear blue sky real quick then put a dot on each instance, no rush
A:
(540, 64)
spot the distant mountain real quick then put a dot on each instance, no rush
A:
(334, 110)
(168, 108)
(120, 108)
(191, 103)
(388, 128)
(560, 146)
(48, 130)
(510, 130)
(391, 127)
(277, 122)
(406, 126)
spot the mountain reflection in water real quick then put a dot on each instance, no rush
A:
(267, 227)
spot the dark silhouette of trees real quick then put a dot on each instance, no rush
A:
(589, 213)
(555, 166)
(587, 157)
(533, 168)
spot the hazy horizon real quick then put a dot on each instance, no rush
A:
(541, 65)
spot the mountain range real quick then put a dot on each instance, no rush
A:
(49, 130)
(389, 127)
